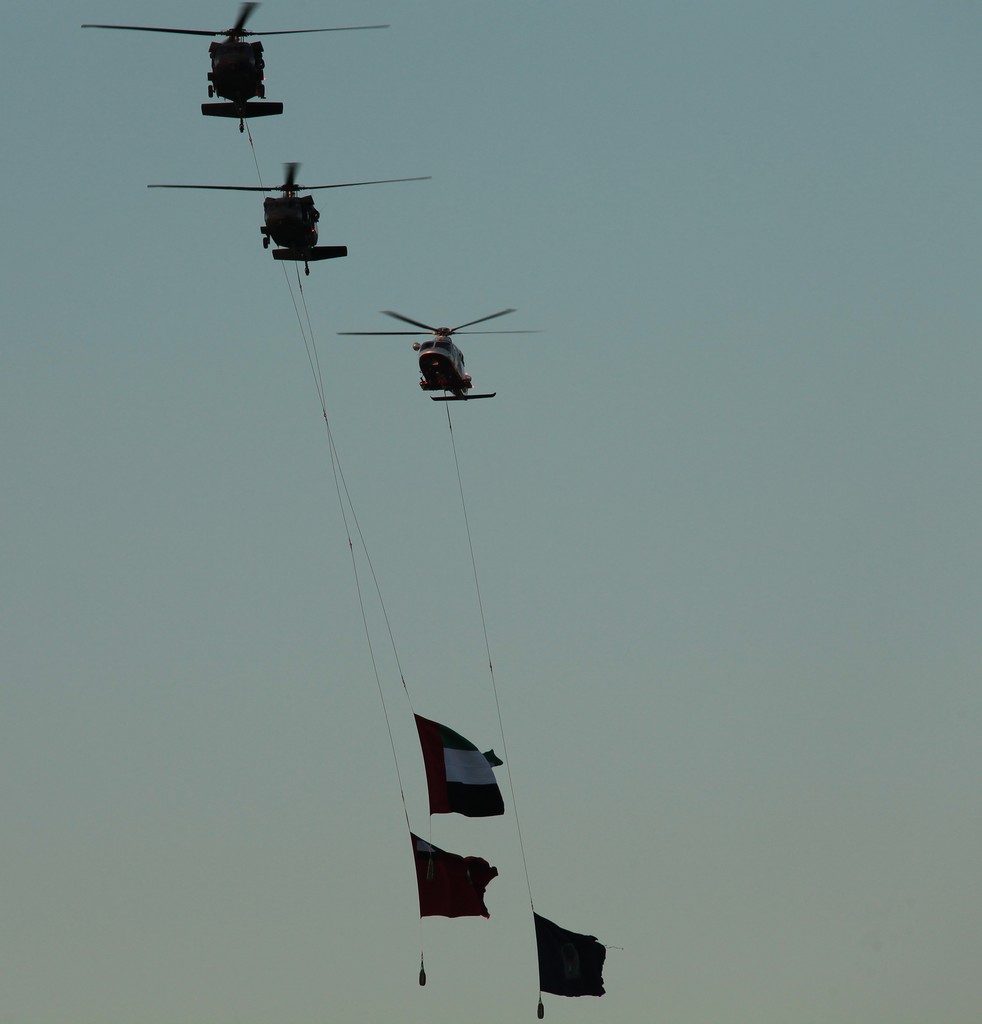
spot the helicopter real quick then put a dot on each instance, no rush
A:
(236, 66)
(291, 220)
(441, 363)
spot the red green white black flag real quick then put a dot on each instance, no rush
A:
(459, 777)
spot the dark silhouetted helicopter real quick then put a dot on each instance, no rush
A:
(441, 363)
(236, 66)
(291, 220)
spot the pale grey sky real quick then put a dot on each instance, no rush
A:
(724, 510)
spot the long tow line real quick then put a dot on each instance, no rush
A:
(346, 505)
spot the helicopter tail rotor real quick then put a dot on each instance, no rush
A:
(245, 13)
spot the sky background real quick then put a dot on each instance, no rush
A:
(724, 510)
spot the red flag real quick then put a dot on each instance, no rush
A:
(450, 885)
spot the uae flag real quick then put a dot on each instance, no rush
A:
(458, 776)
(450, 885)
(569, 964)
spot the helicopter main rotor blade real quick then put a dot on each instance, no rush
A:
(407, 320)
(238, 31)
(290, 184)
(383, 334)
(481, 320)
(302, 31)
(349, 184)
(147, 28)
(224, 188)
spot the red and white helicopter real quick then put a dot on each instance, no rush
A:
(441, 363)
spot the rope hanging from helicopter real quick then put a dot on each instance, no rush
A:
(487, 647)
(346, 507)
(345, 503)
(242, 108)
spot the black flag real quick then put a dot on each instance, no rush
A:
(569, 964)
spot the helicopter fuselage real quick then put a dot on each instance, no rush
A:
(291, 221)
(236, 70)
(441, 366)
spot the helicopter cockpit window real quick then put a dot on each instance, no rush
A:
(443, 346)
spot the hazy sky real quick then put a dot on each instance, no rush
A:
(725, 512)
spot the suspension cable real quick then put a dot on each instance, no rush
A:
(345, 503)
(487, 646)
(346, 506)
